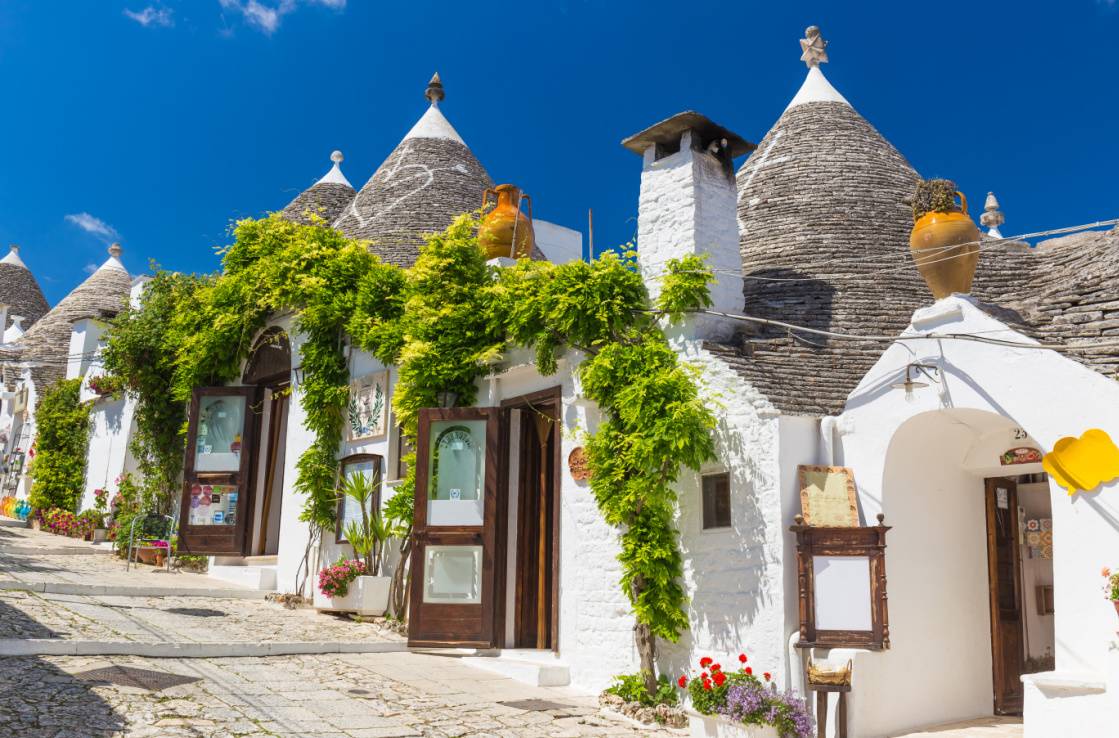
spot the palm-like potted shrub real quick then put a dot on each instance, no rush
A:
(356, 585)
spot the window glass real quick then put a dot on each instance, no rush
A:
(212, 504)
(348, 509)
(456, 472)
(221, 419)
(453, 574)
(716, 501)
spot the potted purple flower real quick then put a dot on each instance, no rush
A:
(737, 704)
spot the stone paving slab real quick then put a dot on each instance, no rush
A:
(175, 620)
(322, 696)
(991, 727)
(33, 557)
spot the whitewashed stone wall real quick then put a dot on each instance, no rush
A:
(734, 577)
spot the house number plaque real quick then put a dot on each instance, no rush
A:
(577, 464)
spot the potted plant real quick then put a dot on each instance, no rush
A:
(944, 240)
(1111, 588)
(737, 704)
(354, 585)
(100, 503)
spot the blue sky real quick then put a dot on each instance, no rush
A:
(156, 123)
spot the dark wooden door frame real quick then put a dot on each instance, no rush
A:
(552, 396)
(272, 441)
(430, 625)
(202, 538)
(1007, 687)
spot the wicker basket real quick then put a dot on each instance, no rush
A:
(840, 677)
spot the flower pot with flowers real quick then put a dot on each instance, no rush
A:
(354, 585)
(1111, 588)
(100, 504)
(738, 704)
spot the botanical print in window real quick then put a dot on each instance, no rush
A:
(367, 411)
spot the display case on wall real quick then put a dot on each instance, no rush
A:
(841, 577)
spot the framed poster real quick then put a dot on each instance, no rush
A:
(367, 408)
(827, 496)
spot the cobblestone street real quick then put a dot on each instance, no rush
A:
(333, 695)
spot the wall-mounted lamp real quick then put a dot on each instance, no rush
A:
(928, 371)
(446, 399)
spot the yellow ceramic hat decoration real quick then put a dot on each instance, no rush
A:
(1082, 464)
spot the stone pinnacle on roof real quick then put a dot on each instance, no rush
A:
(335, 176)
(13, 257)
(813, 47)
(326, 198)
(434, 92)
(816, 87)
(992, 217)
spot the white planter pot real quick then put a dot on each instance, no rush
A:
(710, 726)
(100, 534)
(366, 596)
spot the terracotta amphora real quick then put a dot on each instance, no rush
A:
(506, 223)
(946, 249)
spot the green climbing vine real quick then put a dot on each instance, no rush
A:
(61, 441)
(445, 323)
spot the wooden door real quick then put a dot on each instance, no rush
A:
(1003, 566)
(216, 475)
(535, 525)
(453, 597)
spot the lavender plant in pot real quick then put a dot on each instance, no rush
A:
(357, 585)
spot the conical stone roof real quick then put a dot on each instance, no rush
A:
(20, 291)
(102, 295)
(430, 178)
(824, 231)
(326, 198)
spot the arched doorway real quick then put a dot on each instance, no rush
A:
(970, 592)
(268, 370)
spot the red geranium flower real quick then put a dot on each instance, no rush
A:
(707, 684)
(682, 681)
(720, 678)
(767, 676)
(748, 670)
(716, 667)
(742, 658)
(706, 661)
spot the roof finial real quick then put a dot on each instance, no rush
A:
(814, 47)
(115, 251)
(336, 157)
(992, 217)
(13, 248)
(434, 91)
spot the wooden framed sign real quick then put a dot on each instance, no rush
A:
(827, 496)
(841, 578)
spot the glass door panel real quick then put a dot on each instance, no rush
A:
(216, 475)
(457, 472)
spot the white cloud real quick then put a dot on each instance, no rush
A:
(266, 16)
(94, 226)
(89, 268)
(151, 16)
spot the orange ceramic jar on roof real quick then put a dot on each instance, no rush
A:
(505, 230)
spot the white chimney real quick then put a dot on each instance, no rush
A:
(688, 205)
